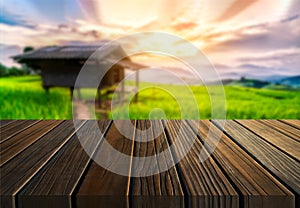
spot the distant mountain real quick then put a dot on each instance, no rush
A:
(249, 83)
(290, 81)
(283, 83)
(242, 82)
(275, 78)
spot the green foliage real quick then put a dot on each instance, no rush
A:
(27, 49)
(3, 71)
(11, 71)
(249, 83)
(24, 98)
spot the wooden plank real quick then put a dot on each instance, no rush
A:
(23, 167)
(21, 141)
(14, 128)
(51, 170)
(295, 123)
(285, 168)
(5, 122)
(162, 189)
(55, 183)
(281, 141)
(101, 187)
(283, 128)
(257, 187)
(204, 182)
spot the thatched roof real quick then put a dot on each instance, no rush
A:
(70, 52)
(106, 52)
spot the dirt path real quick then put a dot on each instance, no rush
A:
(81, 110)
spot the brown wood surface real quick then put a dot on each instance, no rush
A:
(5, 122)
(103, 188)
(295, 123)
(19, 142)
(283, 128)
(55, 183)
(204, 182)
(276, 138)
(279, 164)
(257, 186)
(255, 164)
(24, 166)
(8, 131)
(161, 188)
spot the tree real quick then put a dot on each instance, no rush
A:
(27, 49)
(26, 68)
(3, 71)
(11, 71)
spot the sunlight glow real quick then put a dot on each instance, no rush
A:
(192, 18)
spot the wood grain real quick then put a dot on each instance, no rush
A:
(281, 165)
(164, 188)
(45, 164)
(295, 123)
(5, 122)
(24, 166)
(13, 146)
(101, 187)
(256, 185)
(205, 183)
(281, 141)
(283, 128)
(13, 128)
(55, 183)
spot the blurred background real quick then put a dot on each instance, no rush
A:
(253, 45)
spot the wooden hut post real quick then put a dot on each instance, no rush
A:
(71, 92)
(46, 88)
(99, 97)
(137, 80)
(122, 91)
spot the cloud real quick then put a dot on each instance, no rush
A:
(7, 51)
(9, 18)
(294, 7)
(40, 12)
(235, 8)
(282, 55)
(49, 34)
(264, 43)
(261, 37)
(256, 71)
(263, 71)
(291, 18)
(287, 60)
(260, 65)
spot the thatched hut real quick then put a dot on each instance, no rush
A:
(60, 65)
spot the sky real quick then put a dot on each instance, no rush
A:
(252, 38)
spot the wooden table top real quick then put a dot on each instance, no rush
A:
(254, 163)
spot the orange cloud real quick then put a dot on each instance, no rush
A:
(235, 8)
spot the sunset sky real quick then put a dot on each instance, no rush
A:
(254, 38)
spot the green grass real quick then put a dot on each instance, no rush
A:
(24, 98)
(241, 103)
(250, 103)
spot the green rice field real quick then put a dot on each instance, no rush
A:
(24, 98)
